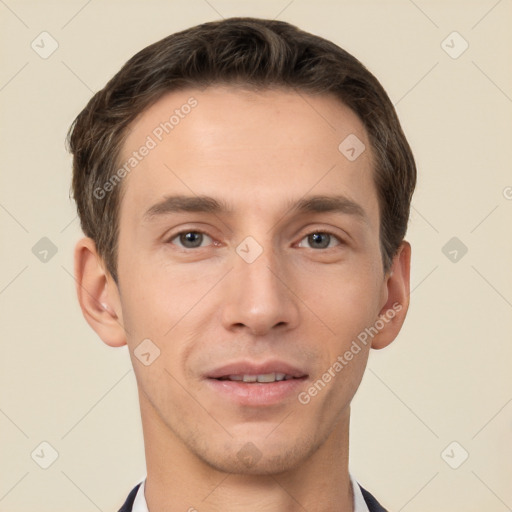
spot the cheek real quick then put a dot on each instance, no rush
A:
(344, 300)
(152, 294)
(143, 306)
(167, 308)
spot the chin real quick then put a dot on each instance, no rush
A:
(260, 456)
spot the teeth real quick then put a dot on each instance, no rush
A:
(265, 377)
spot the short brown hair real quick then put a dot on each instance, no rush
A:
(255, 53)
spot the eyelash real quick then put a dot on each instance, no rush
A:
(318, 231)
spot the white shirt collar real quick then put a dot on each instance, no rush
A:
(359, 503)
(140, 505)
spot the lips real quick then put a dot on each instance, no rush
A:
(250, 384)
(250, 372)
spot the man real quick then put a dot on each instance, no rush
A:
(245, 189)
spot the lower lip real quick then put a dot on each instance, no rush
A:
(256, 393)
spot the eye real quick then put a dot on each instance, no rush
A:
(321, 240)
(189, 239)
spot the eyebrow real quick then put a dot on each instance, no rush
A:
(208, 204)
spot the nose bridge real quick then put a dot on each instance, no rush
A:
(258, 265)
(258, 297)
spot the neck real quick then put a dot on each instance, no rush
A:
(178, 480)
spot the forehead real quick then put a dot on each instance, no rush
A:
(253, 150)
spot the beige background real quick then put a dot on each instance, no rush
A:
(446, 378)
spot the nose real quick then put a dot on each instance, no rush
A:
(258, 296)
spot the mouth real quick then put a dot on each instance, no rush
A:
(263, 378)
(251, 384)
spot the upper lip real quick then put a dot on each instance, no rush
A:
(254, 368)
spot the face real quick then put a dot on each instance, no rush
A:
(267, 266)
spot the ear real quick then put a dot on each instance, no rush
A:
(98, 294)
(396, 293)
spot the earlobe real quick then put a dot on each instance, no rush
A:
(97, 294)
(393, 313)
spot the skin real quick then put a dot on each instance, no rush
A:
(204, 307)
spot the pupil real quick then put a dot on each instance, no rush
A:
(191, 237)
(317, 237)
